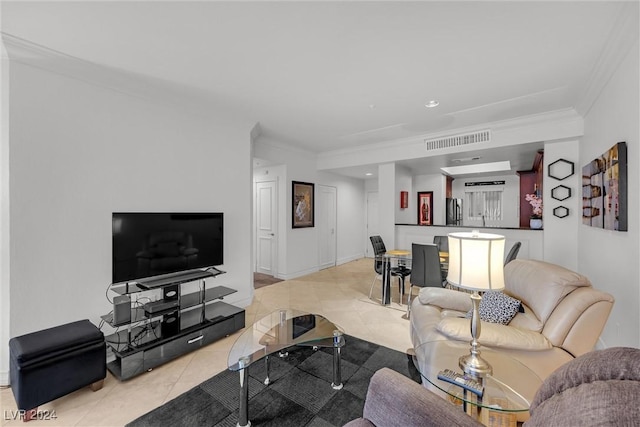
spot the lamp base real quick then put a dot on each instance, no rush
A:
(474, 365)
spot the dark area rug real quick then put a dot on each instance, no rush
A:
(299, 394)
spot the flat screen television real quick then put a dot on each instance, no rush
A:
(149, 244)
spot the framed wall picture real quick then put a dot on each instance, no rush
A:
(302, 197)
(604, 190)
(425, 208)
(404, 199)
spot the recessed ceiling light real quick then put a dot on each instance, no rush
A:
(368, 174)
(372, 106)
(432, 103)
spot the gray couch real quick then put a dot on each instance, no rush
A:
(600, 388)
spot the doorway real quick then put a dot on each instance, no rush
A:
(327, 222)
(266, 227)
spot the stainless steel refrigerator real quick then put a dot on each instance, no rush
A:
(454, 211)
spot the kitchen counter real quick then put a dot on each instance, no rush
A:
(469, 227)
(532, 240)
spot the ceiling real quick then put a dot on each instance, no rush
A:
(329, 75)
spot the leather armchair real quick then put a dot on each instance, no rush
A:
(563, 316)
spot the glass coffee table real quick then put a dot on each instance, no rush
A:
(503, 399)
(275, 333)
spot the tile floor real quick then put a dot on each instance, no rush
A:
(340, 294)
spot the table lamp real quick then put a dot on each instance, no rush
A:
(476, 263)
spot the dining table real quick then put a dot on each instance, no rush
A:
(401, 257)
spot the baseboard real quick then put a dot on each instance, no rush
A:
(299, 273)
(341, 261)
(243, 303)
(345, 260)
(4, 378)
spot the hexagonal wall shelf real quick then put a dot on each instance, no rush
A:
(561, 212)
(561, 192)
(560, 169)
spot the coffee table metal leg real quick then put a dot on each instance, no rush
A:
(266, 365)
(337, 373)
(243, 415)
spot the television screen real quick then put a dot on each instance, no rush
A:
(147, 244)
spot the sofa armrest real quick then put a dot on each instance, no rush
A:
(395, 400)
(494, 335)
(359, 422)
(446, 299)
(597, 388)
(614, 363)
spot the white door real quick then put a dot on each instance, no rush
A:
(372, 220)
(266, 227)
(326, 223)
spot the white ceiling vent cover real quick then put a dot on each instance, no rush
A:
(458, 140)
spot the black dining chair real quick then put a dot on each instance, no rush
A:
(402, 271)
(425, 269)
(513, 252)
(378, 250)
(442, 242)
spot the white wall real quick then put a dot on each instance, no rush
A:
(404, 182)
(5, 248)
(611, 258)
(386, 204)
(371, 190)
(81, 151)
(561, 234)
(371, 184)
(298, 248)
(351, 215)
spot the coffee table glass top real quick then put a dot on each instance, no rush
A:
(510, 388)
(280, 330)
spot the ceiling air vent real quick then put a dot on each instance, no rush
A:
(458, 140)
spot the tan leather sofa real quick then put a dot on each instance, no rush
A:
(563, 317)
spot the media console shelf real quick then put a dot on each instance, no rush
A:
(162, 330)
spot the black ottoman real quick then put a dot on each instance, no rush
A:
(51, 363)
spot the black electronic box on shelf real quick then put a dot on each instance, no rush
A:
(159, 331)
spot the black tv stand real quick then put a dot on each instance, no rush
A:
(177, 278)
(183, 322)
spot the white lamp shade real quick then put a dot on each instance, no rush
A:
(476, 261)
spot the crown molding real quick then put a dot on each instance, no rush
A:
(32, 54)
(136, 85)
(623, 37)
